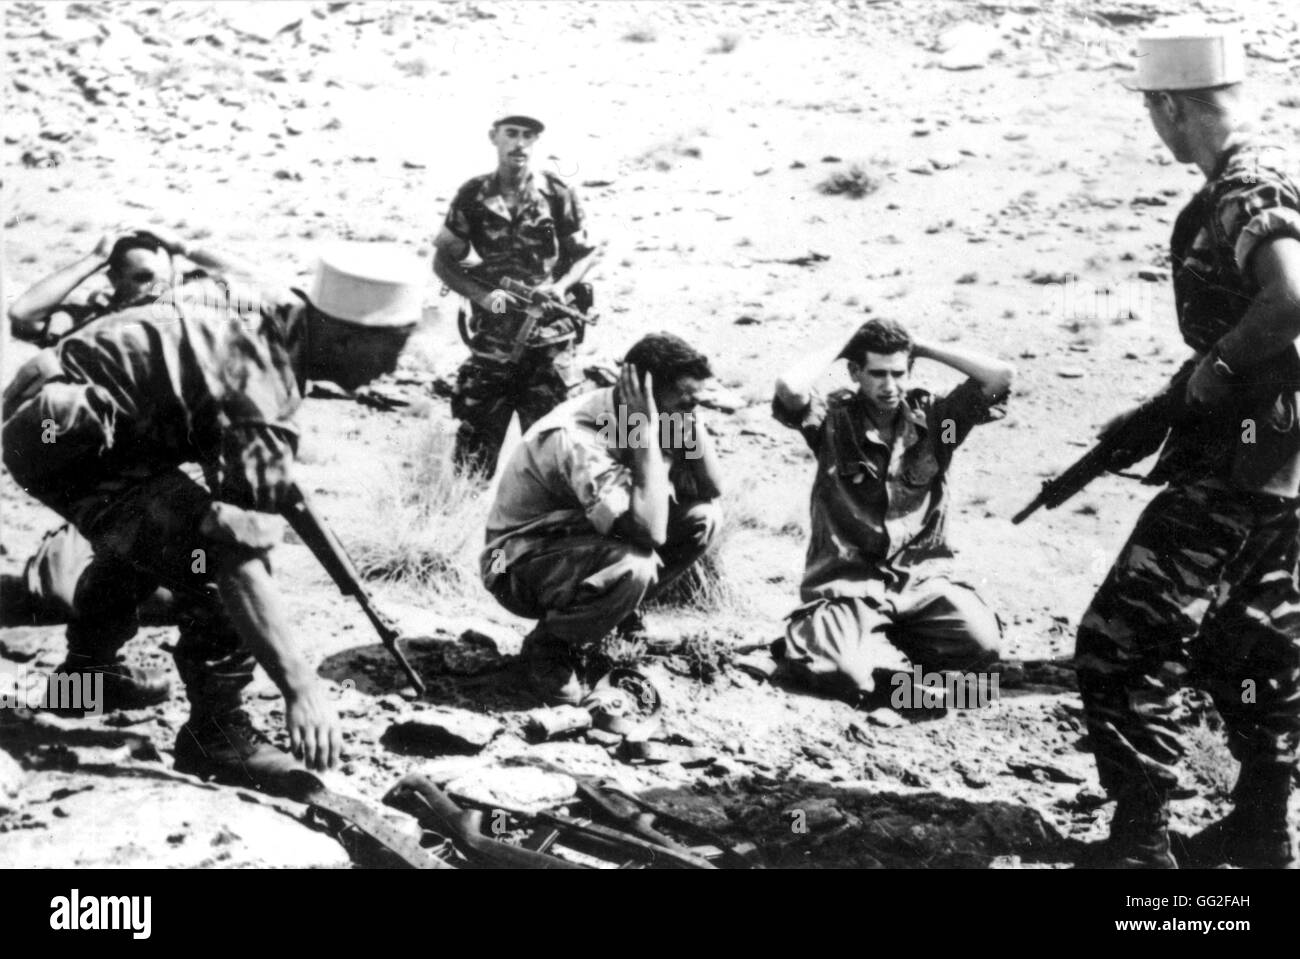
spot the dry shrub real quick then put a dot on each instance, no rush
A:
(855, 182)
(1208, 762)
(707, 657)
(726, 43)
(428, 522)
(641, 33)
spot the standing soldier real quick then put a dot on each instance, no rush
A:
(526, 228)
(1206, 587)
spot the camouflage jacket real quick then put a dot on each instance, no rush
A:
(1248, 200)
(184, 379)
(871, 499)
(528, 246)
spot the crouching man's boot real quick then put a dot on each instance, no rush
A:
(1255, 834)
(553, 669)
(1139, 833)
(86, 682)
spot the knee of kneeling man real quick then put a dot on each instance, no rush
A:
(986, 635)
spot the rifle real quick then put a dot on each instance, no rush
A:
(1132, 440)
(327, 549)
(541, 306)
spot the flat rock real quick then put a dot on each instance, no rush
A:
(515, 787)
(437, 733)
(167, 824)
(11, 775)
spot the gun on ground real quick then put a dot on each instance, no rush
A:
(1134, 439)
(327, 549)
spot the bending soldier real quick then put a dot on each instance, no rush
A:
(98, 429)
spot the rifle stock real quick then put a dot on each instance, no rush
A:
(329, 552)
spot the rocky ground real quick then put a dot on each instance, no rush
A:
(1013, 198)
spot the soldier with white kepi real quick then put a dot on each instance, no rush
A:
(1207, 588)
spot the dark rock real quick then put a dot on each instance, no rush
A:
(439, 733)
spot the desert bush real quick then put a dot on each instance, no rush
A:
(726, 43)
(855, 182)
(642, 33)
(428, 521)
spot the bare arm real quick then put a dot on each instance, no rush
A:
(993, 375)
(1273, 321)
(646, 521)
(28, 313)
(450, 250)
(257, 609)
(1270, 325)
(794, 386)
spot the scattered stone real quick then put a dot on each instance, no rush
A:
(445, 731)
(1042, 772)
(813, 814)
(602, 737)
(1070, 373)
(444, 770)
(969, 776)
(551, 723)
(11, 776)
(886, 717)
(723, 400)
(968, 46)
(516, 787)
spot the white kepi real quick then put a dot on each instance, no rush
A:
(371, 284)
(1189, 55)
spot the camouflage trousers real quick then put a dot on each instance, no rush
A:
(141, 522)
(1205, 592)
(489, 390)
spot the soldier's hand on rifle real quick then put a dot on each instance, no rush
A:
(499, 301)
(313, 727)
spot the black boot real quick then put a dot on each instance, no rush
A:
(553, 669)
(230, 749)
(1139, 834)
(1255, 834)
(123, 686)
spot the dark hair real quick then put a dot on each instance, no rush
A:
(668, 358)
(877, 336)
(135, 241)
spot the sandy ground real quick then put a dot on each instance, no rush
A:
(1008, 195)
